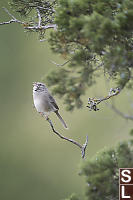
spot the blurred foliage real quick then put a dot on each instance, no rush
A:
(102, 172)
(93, 35)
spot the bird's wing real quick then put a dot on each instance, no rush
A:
(53, 102)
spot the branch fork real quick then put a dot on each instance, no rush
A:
(26, 25)
(82, 147)
(13, 20)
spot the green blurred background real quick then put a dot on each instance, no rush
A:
(34, 163)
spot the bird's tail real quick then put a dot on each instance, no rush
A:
(62, 121)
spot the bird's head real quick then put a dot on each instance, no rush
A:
(38, 87)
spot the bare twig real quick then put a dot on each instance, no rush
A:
(93, 102)
(39, 17)
(82, 147)
(49, 26)
(61, 65)
(27, 26)
(13, 20)
(123, 115)
(5, 9)
(44, 40)
(9, 22)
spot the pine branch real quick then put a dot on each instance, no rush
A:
(82, 147)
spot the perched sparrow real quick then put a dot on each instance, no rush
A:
(44, 102)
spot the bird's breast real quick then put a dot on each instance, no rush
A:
(41, 102)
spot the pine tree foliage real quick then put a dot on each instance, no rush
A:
(102, 172)
(93, 35)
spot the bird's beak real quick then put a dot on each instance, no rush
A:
(34, 83)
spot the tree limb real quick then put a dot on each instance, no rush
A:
(61, 65)
(82, 147)
(27, 26)
(123, 115)
(93, 102)
(49, 26)
(39, 17)
(5, 9)
(13, 20)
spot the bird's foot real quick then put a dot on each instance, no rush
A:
(43, 115)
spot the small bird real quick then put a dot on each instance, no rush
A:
(44, 102)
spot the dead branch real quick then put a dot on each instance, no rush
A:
(61, 65)
(13, 20)
(93, 102)
(49, 26)
(39, 18)
(27, 26)
(82, 147)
